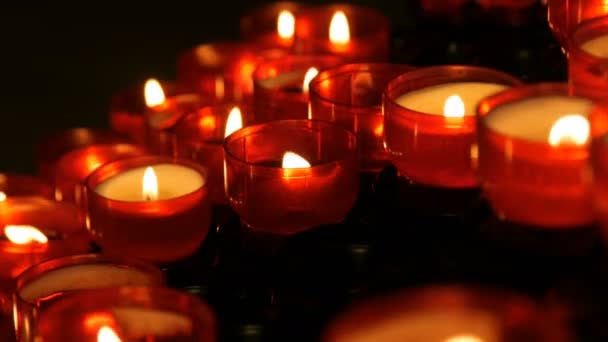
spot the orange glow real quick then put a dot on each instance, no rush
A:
(153, 93)
(246, 72)
(293, 160)
(24, 234)
(286, 24)
(150, 185)
(571, 129)
(234, 122)
(107, 334)
(310, 74)
(219, 87)
(379, 130)
(2, 196)
(339, 31)
(207, 122)
(454, 107)
(464, 338)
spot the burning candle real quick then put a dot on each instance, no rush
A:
(54, 280)
(354, 32)
(429, 122)
(271, 25)
(222, 71)
(281, 86)
(200, 137)
(74, 167)
(446, 314)
(351, 95)
(287, 176)
(127, 314)
(588, 57)
(532, 156)
(565, 15)
(135, 203)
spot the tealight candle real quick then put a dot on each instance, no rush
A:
(271, 25)
(287, 176)
(281, 86)
(587, 64)
(134, 205)
(565, 15)
(533, 156)
(200, 137)
(74, 167)
(351, 95)
(128, 314)
(222, 71)
(54, 280)
(429, 122)
(356, 33)
(446, 314)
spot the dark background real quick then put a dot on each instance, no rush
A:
(61, 62)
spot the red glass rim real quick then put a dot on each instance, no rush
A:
(115, 167)
(349, 69)
(375, 21)
(36, 271)
(431, 76)
(584, 32)
(288, 63)
(308, 125)
(488, 105)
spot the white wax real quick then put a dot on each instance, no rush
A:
(173, 181)
(532, 119)
(597, 46)
(80, 277)
(284, 79)
(140, 322)
(431, 100)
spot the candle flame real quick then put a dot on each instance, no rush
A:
(310, 74)
(286, 23)
(150, 185)
(464, 338)
(339, 32)
(2, 196)
(293, 160)
(107, 334)
(454, 107)
(24, 234)
(572, 129)
(153, 93)
(234, 122)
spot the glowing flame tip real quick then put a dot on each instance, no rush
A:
(310, 74)
(150, 185)
(2, 196)
(293, 160)
(572, 129)
(234, 122)
(454, 107)
(286, 23)
(153, 93)
(107, 334)
(339, 31)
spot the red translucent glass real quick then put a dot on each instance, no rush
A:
(588, 74)
(260, 24)
(39, 287)
(80, 317)
(565, 15)
(281, 201)
(222, 71)
(146, 229)
(199, 136)
(278, 86)
(51, 148)
(351, 96)
(506, 4)
(74, 167)
(443, 5)
(448, 314)
(432, 149)
(599, 165)
(21, 185)
(369, 33)
(532, 182)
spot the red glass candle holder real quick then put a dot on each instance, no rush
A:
(530, 172)
(55, 280)
(506, 4)
(448, 314)
(351, 96)
(588, 59)
(565, 15)
(222, 71)
(275, 200)
(367, 31)
(271, 25)
(51, 148)
(434, 6)
(599, 165)
(20, 185)
(426, 146)
(75, 166)
(279, 90)
(200, 137)
(128, 313)
(124, 219)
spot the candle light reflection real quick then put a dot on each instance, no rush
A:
(24, 234)
(570, 129)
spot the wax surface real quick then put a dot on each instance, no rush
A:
(597, 46)
(532, 119)
(79, 277)
(431, 100)
(173, 181)
(141, 322)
